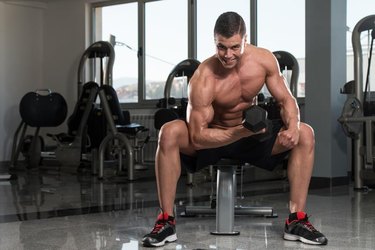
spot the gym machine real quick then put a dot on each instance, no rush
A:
(49, 110)
(287, 62)
(169, 109)
(123, 137)
(358, 113)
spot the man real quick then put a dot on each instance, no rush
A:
(223, 87)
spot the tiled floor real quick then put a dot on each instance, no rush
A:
(59, 209)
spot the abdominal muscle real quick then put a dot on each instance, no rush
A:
(226, 117)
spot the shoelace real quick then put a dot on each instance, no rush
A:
(307, 223)
(158, 225)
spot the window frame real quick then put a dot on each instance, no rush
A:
(191, 36)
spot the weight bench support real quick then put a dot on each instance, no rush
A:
(225, 201)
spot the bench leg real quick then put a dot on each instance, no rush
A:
(225, 207)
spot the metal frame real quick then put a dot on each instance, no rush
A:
(225, 206)
(364, 24)
(362, 147)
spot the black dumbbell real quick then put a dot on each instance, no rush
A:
(255, 119)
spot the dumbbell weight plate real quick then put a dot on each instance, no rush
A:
(266, 135)
(255, 118)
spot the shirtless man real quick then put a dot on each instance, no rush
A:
(223, 87)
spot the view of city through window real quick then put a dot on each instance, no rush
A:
(166, 38)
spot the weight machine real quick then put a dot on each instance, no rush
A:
(358, 113)
(39, 110)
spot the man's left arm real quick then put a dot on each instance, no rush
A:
(277, 85)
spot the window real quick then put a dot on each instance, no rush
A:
(166, 44)
(121, 22)
(141, 69)
(279, 28)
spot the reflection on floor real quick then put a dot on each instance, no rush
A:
(54, 208)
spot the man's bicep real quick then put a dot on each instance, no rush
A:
(275, 81)
(199, 117)
(278, 87)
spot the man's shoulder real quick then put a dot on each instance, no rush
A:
(258, 51)
(260, 57)
(208, 67)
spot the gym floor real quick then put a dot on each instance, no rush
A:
(58, 208)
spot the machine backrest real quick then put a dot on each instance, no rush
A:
(165, 113)
(287, 61)
(43, 110)
(78, 119)
(119, 116)
(186, 68)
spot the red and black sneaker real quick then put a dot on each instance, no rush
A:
(164, 231)
(298, 227)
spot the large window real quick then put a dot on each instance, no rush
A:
(166, 42)
(121, 23)
(151, 37)
(146, 48)
(282, 27)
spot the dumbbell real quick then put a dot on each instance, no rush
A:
(255, 119)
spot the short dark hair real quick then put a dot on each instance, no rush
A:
(229, 24)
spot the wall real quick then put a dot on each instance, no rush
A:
(21, 69)
(40, 44)
(65, 41)
(325, 75)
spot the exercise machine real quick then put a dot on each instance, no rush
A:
(169, 108)
(123, 137)
(42, 108)
(49, 110)
(358, 113)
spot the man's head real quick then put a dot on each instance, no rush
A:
(230, 38)
(229, 24)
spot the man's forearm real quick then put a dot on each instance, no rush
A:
(290, 114)
(216, 137)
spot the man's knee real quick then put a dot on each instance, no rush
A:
(171, 133)
(307, 136)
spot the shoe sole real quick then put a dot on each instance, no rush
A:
(169, 239)
(293, 237)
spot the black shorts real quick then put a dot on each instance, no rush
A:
(247, 150)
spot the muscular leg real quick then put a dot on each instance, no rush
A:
(300, 165)
(173, 139)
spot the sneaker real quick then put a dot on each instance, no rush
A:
(298, 227)
(164, 231)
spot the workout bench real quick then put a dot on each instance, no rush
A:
(226, 209)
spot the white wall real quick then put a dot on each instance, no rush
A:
(21, 57)
(41, 43)
(64, 44)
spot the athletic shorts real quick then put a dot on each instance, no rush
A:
(247, 150)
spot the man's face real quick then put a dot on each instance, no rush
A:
(229, 50)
